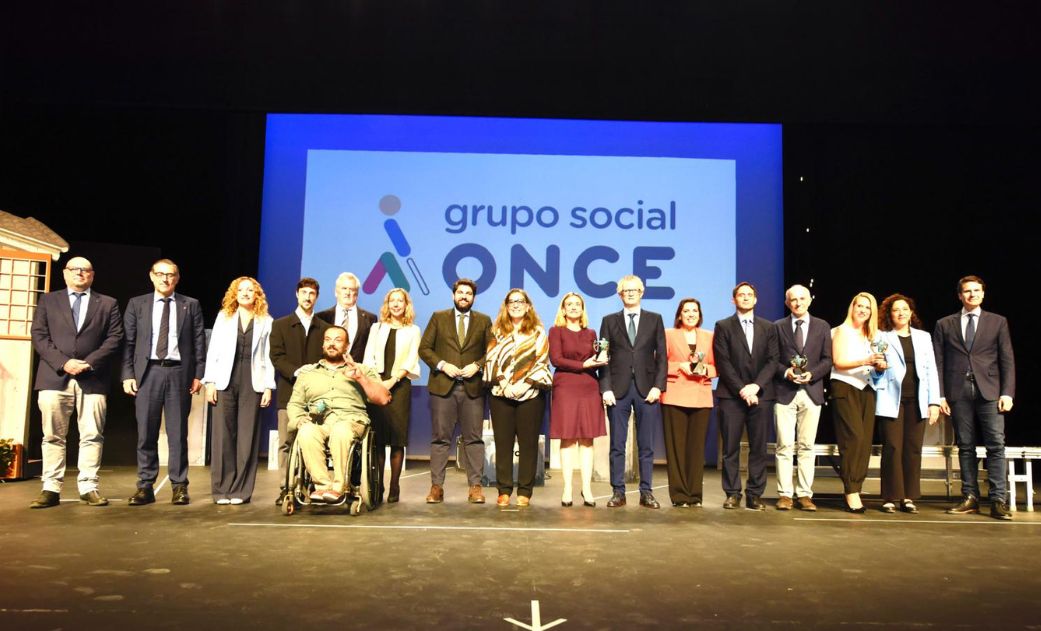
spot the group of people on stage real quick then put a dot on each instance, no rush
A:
(341, 369)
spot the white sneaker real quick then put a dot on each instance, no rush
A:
(235, 501)
(224, 501)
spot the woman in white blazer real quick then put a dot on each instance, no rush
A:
(908, 393)
(392, 350)
(239, 379)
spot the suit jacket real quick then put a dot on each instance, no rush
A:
(888, 394)
(684, 390)
(737, 366)
(291, 349)
(440, 342)
(365, 321)
(816, 348)
(191, 337)
(56, 341)
(991, 360)
(645, 359)
(221, 354)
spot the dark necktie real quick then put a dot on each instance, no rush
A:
(162, 345)
(76, 309)
(800, 342)
(460, 329)
(970, 330)
(632, 329)
(747, 324)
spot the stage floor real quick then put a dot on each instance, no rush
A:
(461, 566)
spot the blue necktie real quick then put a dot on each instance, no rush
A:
(632, 328)
(970, 330)
(76, 309)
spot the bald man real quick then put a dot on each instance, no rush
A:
(77, 333)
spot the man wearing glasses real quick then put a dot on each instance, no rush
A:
(633, 380)
(163, 362)
(350, 316)
(76, 332)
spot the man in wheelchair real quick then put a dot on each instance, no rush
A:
(328, 406)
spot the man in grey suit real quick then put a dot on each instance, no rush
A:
(745, 350)
(633, 380)
(76, 332)
(163, 362)
(454, 345)
(977, 382)
(800, 395)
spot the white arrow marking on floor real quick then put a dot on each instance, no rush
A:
(536, 620)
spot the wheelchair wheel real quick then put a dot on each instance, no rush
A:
(371, 474)
(356, 506)
(288, 505)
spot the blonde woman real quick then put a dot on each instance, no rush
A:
(577, 412)
(517, 367)
(392, 350)
(239, 379)
(856, 368)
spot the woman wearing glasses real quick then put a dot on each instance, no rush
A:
(517, 367)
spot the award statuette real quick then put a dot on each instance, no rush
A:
(319, 411)
(696, 366)
(798, 363)
(601, 349)
(880, 346)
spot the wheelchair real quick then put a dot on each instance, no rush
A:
(363, 478)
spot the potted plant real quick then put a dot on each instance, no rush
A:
(9, 459)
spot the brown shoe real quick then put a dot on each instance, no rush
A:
(805, 503)
(523, 501)
(503, 501)
(436, 495)
(476, 495)
(783, 503)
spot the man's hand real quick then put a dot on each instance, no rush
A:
(752, 400)
(653, 395)
(196, 386)
(1004, 404)
(609, 398)
(75, 367)
(749, 390)
(803, 378)
(469, 370)
(130, 387)
(450, 369)
(945, 407)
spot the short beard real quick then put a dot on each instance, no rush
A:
(465, 309)
(335, 358)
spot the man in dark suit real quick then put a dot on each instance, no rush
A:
(453, 345)
(744, 348)
(296, 340)
(349, 315)
(803, 363)
(76, 332)
(977, 382)
(633, 380)
(163, 362)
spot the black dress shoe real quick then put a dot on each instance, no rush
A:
(281, 496)
(999, 510)
(180, 495)
(46, 500)
(647, 500)
(681, 504)
(967, 506)
(617, 499)
(850, 509)
(589, 503)
(752, 502)
(732, 501)
(93, 498)
(695, 503)
(142, 497)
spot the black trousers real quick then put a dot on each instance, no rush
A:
(734, 417)
(902, 439)
(685, 430)
(520, 420)
(854, 414)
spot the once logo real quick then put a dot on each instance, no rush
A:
(387, 264)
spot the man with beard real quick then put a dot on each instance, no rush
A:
(328, 406)
(296, 340)
(453, 345)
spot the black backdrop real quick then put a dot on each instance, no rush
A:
(911, 133)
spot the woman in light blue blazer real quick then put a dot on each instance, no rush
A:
(239, 379)
(907, 394)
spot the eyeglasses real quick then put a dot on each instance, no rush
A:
(631, 291)
(166, 275)
(517, 302)
(80, 270)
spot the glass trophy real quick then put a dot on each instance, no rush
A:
(601, 349)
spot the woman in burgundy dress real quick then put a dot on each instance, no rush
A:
(577, 412)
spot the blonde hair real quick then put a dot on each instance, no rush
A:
(870, 328)
(561, 319)
(230, 303)
(504, 325)
(627, 279)
(408, 317)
